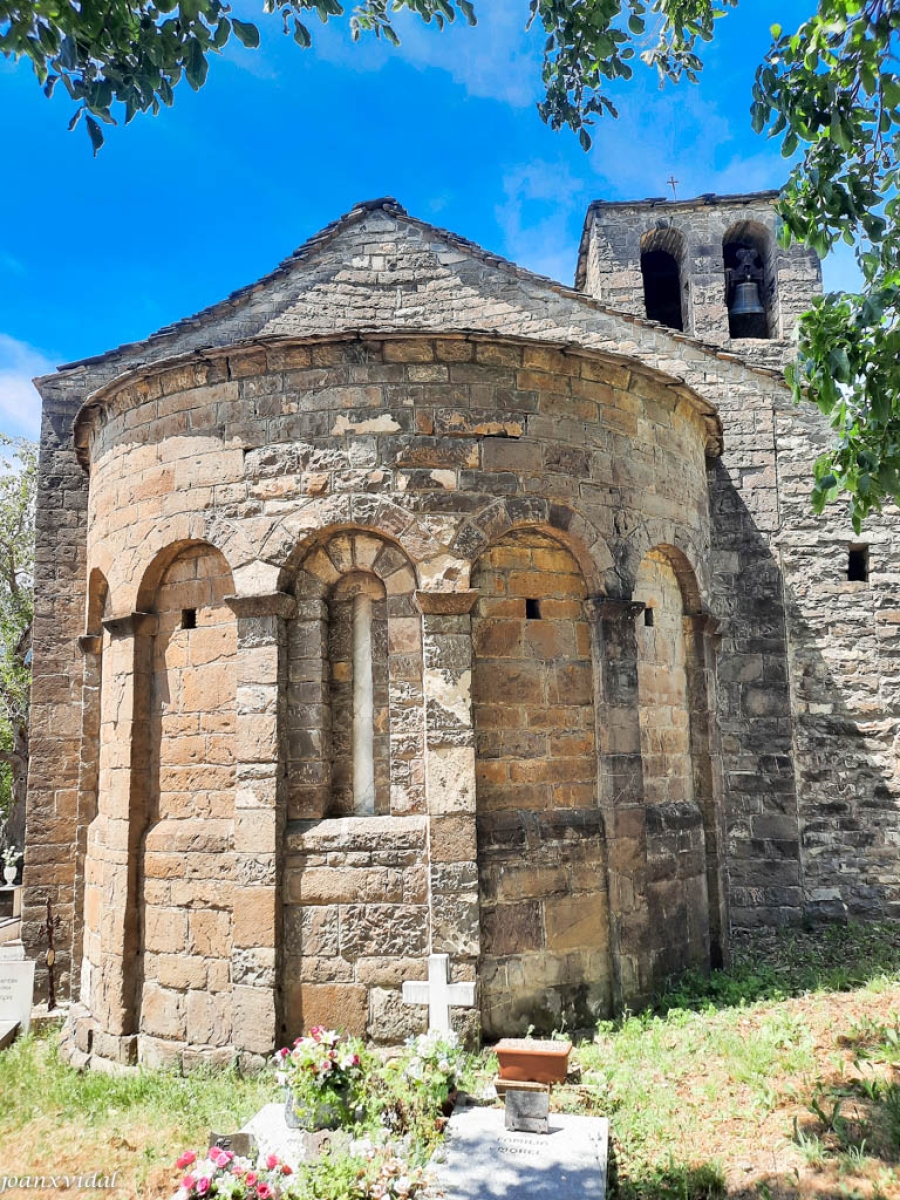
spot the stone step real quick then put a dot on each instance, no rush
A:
(10, 930)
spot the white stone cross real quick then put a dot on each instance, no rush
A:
(439, 994)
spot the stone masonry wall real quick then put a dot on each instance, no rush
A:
(844, 665)
(52, 816)
(542, 870)
(188, 866)
(677, 846)
(409, 457)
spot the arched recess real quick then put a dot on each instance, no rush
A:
(355, 762)
(748, 254)
(662, 263)
(356, 611)
(88, 884)
(683, 816)
(541, 853)
(185, 750)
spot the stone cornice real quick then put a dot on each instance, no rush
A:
(268, 604)
(446, 604)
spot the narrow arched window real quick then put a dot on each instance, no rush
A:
(662, 288)
(357, 637)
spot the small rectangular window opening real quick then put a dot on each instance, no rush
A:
(533, 610)
(189, 618)
(858, 564)
(648, 617)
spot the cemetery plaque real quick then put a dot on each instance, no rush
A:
(16, 993)
(483, 1161)
(242, 1145)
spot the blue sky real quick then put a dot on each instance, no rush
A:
(179, 210)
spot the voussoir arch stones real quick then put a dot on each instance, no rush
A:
(292, 537)
(570, 528)
(690, 563)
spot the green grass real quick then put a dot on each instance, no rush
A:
(32, 1071)
(731, 1048)
(790, 1059)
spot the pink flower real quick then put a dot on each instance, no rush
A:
(251, 1178)
(203, 1185)
(188, 1182)
(264, 1192)
(272, 1162)
(186, 1159)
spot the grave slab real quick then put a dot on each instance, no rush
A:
(274, 1137)
(8, 1031)
(16, 992)
(480, 1160)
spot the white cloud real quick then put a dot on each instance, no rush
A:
(20, 404)
(543, 203)
(497, 60)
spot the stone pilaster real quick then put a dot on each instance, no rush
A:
(622, 792)
(450, 776)
(123, 798)
(91, 646)
(259, 819)
(701, 641)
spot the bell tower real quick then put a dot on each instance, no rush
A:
(710, 266)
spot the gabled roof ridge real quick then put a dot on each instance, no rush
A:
(392, 207)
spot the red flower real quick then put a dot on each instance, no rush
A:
(186, 1159)
(188, 1182)
(264, 1192)
(272, 1162)
(286, 1170)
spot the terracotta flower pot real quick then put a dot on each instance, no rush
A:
(528, 1060)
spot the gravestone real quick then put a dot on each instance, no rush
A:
(439, 993)
(482, 1161)
(16, 997)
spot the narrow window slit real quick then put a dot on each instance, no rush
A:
(858, 564)
(533, 610)
(648, 617)
(363, 707)
(189, 618)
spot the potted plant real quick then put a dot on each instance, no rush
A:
(532, 1060)
(321, 1074)
(10, 858)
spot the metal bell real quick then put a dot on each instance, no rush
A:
(746, 301)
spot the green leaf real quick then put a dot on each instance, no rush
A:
(246, 33)
(195, 64)
(95, 132)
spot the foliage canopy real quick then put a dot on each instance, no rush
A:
(829, 90)
(18, 484)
